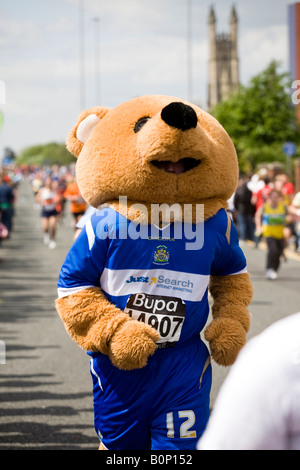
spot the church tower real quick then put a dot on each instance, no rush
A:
(223, 60)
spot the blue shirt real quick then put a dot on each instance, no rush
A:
(154, 274)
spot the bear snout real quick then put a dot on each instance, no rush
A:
(179, 115)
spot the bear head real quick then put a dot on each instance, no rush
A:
(153, 149)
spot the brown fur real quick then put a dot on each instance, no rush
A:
(227, 332)
(114, 161)
(97, 325)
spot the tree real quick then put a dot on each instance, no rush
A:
(47, 154)
(260, 118)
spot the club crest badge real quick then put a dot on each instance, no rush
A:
(161, 255)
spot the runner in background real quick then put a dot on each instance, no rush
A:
(59, 199)
(286, 189)
(270, 222)
(84, 219)
(36, 184)
(48, 198)
(77, 204)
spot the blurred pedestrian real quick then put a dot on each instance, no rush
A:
(59, 199)
(36, 182)
(258, 406)
(77, 204)
(270, 221)
(260, 185)
(7, 198)
(48, 198)
(294, 209)
(245, 211)
(61, 187)
(286, 190)
(84, 219)
(261, 189)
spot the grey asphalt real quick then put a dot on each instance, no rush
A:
(45, 383)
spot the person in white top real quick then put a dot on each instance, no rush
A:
(258, 406)
(48, 198)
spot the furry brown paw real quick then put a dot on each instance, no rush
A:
(132, 344)
(226, 338)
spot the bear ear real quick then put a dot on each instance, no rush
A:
(86, 122)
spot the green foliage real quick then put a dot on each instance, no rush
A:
(47, 154)
(260, 118)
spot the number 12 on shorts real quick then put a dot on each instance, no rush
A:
(184, 430)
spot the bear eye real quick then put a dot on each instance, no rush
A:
(140, 123)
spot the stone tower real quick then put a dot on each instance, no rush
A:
(223, 60)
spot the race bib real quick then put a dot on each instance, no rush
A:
(165, 314)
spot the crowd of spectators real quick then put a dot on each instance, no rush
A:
(52, 187)
(266, 207)
(9, 181)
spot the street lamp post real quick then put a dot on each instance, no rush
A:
(81, 55)
(189, 50)
(97, 60)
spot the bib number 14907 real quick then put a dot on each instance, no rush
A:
(165, 314)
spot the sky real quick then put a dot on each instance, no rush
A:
(135, 47)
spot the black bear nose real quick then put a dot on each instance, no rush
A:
(179, 115)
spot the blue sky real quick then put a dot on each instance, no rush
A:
(143, 50)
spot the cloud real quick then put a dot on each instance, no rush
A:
(258, 47)
(121, 17)
(14, 32)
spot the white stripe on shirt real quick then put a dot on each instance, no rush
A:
(154, 281)
(90, 233)
(65, 291)
(243, 271)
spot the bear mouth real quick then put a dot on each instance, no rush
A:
(182, 166)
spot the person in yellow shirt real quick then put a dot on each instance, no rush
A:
(270, 221)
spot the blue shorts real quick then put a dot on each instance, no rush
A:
(163, 406)
(48, 214)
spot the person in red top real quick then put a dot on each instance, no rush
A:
(288, 194)
(287, 187)
(260, 197)
(77, 204)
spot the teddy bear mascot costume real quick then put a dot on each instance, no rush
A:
(133, 290)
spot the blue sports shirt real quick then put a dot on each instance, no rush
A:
(153, 274)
